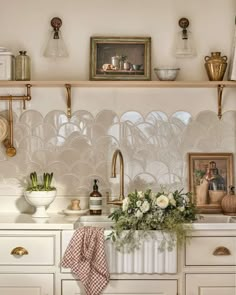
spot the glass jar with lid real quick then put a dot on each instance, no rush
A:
(22, 67)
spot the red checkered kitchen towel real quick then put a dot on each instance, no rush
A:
(85, 256)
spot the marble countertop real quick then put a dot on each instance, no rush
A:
(25, 221)
(14, 221)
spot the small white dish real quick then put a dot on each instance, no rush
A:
(75, 212)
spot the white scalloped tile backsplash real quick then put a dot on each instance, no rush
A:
(80, 149)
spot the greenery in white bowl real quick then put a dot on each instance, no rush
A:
(44, 185)
(144, 212)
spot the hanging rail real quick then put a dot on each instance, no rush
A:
(26, 97)
(10, 149)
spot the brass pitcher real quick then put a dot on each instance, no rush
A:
(215, 66)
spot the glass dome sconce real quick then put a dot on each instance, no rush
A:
(184, 45)
(55, 46)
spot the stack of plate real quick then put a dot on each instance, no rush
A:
(3, 128)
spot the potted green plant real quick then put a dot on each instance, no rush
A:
(40, 194)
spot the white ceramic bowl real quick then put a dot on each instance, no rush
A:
(40, 200)
(166, 74)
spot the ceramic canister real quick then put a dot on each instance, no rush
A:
(7, 61)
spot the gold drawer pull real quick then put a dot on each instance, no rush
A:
(19, 251)
(221, 251)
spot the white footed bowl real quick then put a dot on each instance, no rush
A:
(40, 200)
(166, 74)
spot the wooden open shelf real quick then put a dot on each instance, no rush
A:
(219, 85)
(144, 84)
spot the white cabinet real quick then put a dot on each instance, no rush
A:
(209, 263)
(29, 262)
(215, 250)
(125, 287)
(210, 284)
(26, 284)
(27, 248)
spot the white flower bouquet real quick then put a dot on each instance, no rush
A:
(144, 212)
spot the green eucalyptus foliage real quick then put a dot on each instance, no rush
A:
(143, 213)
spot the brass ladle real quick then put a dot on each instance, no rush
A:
(11, 151)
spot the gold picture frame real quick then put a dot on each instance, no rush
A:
(120, 58)
(210, 175)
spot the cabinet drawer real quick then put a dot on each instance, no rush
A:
(211, 251)
(210, 284)
(34, 249)
(125, 287)
(26, 284)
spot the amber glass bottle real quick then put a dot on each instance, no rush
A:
(95, 201)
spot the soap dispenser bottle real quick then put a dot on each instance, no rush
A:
(95, 200)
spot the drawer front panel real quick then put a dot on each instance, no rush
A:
(34, 250)
(26, 284)
(210, 284)
(125, 287)
(211, 251)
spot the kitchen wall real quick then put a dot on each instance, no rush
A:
(154, 128)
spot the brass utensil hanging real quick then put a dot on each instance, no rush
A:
(11, 151)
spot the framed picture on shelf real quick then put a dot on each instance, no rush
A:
(210, 175)
(120, 58)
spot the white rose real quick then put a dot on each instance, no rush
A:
(173, 202)
(138, 203)
(125, 204)
(153, 196)
(145, 206)
(140, 194)
(139, 214)
(162, 201)
(181, 209)
(171, 199)
(170, 196)
(187, 199)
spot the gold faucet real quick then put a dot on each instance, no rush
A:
(113, 175)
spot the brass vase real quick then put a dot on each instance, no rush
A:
(215, 66)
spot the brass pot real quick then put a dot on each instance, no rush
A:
(228, 203)
(215, 66)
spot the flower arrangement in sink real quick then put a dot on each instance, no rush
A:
(40, 194)
(144, 212)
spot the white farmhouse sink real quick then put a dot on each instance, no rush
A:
(94, 220)
(147, 259)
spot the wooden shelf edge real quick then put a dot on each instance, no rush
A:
(122, 84)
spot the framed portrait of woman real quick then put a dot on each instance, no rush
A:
(210, 176)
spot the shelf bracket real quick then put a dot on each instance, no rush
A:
(220, 92)
(68, 89)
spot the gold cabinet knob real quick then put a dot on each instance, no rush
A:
(221, 251)
(19, 251)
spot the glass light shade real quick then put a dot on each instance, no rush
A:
(185, 45)
(55, 46)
